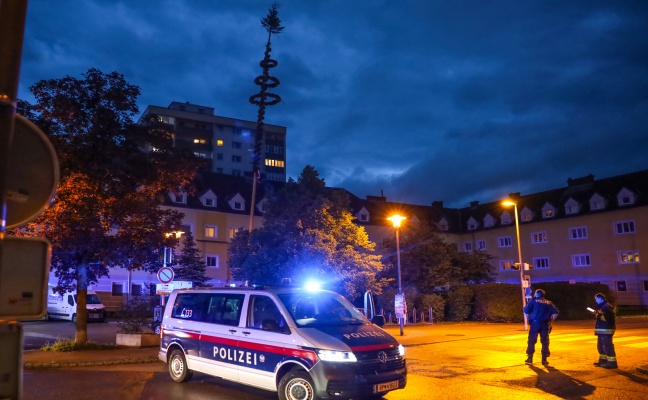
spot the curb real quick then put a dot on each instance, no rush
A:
(643, 369)
(73, 364)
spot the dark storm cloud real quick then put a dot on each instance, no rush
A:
(422, 100)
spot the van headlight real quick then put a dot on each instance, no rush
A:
(401, 350)
(337, 356)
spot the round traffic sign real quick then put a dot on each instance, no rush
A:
(165, 274)
(33, 173)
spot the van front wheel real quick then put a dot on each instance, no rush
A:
(178, 367)
(73, 319)
(296, 385)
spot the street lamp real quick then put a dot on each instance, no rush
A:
(508, 203)
(396, 221)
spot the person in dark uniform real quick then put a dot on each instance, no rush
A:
(604, 330)
(540, 314)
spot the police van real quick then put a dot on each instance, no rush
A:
(302, 344)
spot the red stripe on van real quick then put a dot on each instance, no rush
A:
(303, 354)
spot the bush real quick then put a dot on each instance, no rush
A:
(136, 314)
(437, 302)
(573, 299)
(458, 306)
(497, 302)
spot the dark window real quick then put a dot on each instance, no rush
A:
(70, 300)
(621, 286)
(117, 289)
(645, 286)
(207, 307)
(152, 289)
(264, 314)
(136, 289)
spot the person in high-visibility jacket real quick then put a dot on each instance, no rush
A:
(604, 330)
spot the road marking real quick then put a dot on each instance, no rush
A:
(40, 335)
(515, 336)
(637, 345)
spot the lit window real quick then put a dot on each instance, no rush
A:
(539, 237)
(275, 163)
(541, 263)
(504, 241)
(506, 265)
(624, 227)
(578, 233)
(219, 142)
(526, 217)
(232, 232)
(581, 260)
(200, 141)
(211, 231)
(628, 257)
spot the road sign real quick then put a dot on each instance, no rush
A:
(165, 274)
(163, 288)
(32, 173)
(400, 306)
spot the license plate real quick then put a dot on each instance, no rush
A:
(382, 387)
(94, 316)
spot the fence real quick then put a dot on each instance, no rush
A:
(415, 317)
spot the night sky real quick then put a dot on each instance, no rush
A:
(419, 100)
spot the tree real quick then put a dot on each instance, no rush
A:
(191, 266)
(427, 261)
(308, 232)
(106, 210)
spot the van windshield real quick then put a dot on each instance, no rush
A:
(321, 308)
(90, 299)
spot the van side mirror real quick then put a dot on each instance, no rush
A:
(378, 320)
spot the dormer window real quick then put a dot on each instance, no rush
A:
(526, 215)
(572, 207)
(597, 202)
(548, 211)
(489, 221)
(506, 218)
(443, 225)
(363, 215)
(625, 198)
(237, 202)
(180, 198)
(208, 199)
(472, 224)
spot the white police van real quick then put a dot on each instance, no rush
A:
(302, 344)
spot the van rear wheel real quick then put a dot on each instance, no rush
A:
(178, 367)
(296, 385)
(73, 319)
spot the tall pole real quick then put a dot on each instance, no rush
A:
(400, 290)
(517, 233)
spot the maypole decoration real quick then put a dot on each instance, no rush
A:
(263, 99)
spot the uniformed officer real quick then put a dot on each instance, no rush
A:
(540, 314)
(604, 330)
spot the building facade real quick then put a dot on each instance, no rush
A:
(227, 142)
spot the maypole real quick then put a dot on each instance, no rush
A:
(263, 99)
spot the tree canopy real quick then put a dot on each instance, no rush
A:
(106, 211)
(428, 262)
(308, 233)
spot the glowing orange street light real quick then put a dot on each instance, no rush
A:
(508, 203)
(396, 222)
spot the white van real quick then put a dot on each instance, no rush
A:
(65, 306)
(302, 344)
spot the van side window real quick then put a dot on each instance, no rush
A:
(70, 300)
(206, 307)
(264, 314)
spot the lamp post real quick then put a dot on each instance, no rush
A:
(396, 222)
(509, 203)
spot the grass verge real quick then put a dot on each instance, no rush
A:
(72, 345)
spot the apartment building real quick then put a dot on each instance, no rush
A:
(589, 231)
(227, 142)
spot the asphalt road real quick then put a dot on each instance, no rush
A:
(445, 361)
